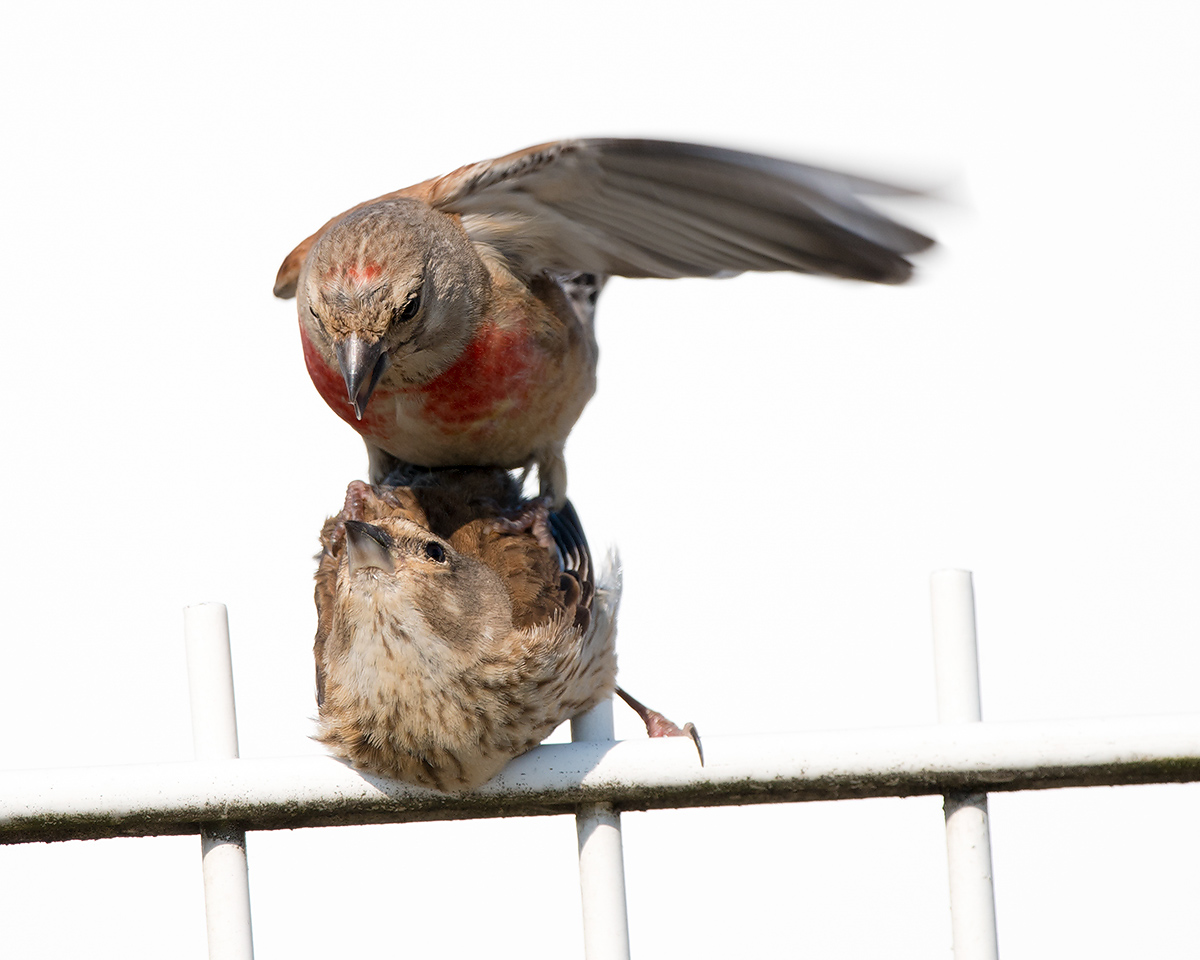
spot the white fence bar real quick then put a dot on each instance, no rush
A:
(601, 858)
(175, 798)
(214, 735)
(968, 843)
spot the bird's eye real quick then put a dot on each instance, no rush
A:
(408, 311)
(435, 552)
(313, 311)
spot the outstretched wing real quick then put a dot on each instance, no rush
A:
(655, 208)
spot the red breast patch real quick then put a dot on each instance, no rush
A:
(491, 377)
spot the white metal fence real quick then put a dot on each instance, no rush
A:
(594, 778)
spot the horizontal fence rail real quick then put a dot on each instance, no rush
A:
(177, 798)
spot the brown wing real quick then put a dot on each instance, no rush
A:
(655, 208)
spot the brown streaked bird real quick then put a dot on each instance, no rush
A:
(458, 625)
(451, 322)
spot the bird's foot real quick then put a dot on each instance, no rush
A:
(659, 726)
(362, 498)
(356, 495)
(534, 517)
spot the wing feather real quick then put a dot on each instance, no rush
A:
(652, 208)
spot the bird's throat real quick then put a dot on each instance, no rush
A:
(327, 378)
(492, 379)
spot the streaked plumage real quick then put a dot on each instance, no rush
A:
(458, 625)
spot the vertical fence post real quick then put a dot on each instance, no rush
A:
(968, 845)
(214, 734)
(601, 859)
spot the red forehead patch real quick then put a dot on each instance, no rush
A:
(352, 274)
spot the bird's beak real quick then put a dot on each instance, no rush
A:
(368, 546)
(362, 365)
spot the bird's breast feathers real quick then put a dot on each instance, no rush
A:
(494, 375)
(509, 392)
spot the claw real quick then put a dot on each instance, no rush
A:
(535, 517)
(659, 726)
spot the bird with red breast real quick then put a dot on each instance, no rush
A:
(451, 322)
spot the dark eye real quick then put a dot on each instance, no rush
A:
(408, 311)
(313, 311)
(435, 552)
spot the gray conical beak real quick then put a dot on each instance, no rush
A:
(362, 365)
(368, 546)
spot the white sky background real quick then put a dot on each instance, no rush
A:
(781, 460)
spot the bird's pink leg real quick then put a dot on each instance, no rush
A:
(659, 726)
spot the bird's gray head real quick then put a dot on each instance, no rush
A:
(395, 290)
